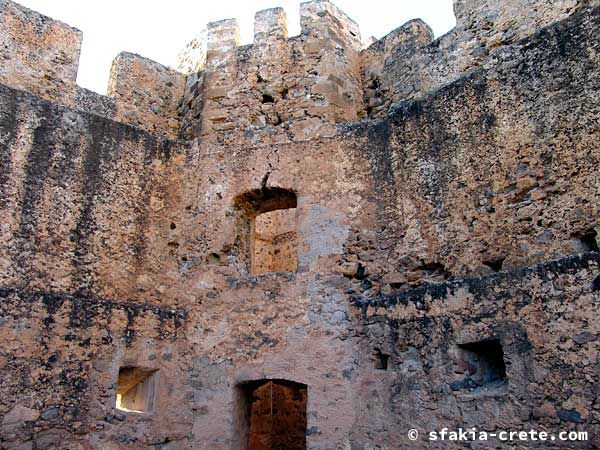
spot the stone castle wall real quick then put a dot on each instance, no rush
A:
(298, 85)
(89, 189)
(408, 63)
(467, 214)
(548, 334)
(42, 56)
(294, 88)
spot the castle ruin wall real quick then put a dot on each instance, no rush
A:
(447, 269)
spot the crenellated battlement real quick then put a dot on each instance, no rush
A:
(147, 94)
(408, 63)
(298, 86)
(294, 88)
(301, 86)
(270, 25)
(324, 20)
(39, 54)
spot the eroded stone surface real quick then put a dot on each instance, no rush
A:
(466, 214)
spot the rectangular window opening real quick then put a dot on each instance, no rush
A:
(483, 364)
(137, 389)
(381, 359)
(266, 222)
(588, 241)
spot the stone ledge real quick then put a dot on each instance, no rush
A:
(423, 296)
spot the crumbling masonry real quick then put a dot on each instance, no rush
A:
(303, 243)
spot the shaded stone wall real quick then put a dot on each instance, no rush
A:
(85, 201)
(543, 316)
(496, 170)
(408, 63)
(60, 362)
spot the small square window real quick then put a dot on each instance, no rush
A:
(136, 389)
(483, 364)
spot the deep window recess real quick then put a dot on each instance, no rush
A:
(275, 242)
(269, 224)
(483, 364)
(137, 389)
(381, 359)
(588, 241)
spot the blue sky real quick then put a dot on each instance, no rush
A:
(158, 29)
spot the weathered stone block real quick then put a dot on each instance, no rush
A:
(147, 94)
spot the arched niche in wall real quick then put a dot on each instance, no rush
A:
(267, 227)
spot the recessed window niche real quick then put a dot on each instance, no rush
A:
(484, 364)
(588, 240)
(268, 227)
(381, 359)
(137, 389)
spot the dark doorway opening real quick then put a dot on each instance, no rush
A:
(274, 415)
